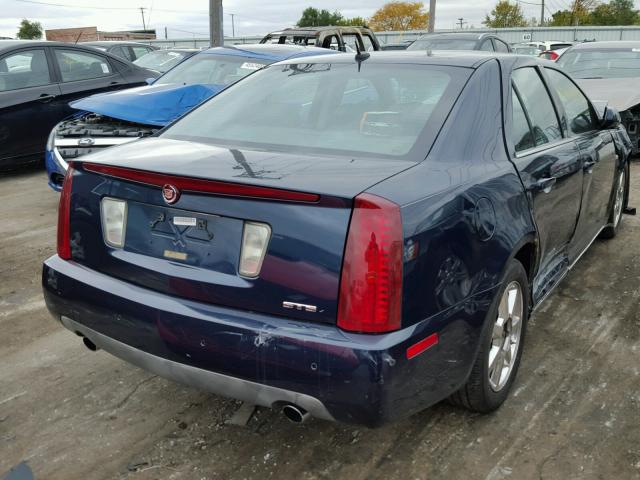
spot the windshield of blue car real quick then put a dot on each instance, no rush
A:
(160, 60)
(209, 69)
(443, 44)
(335, 109)
(603, 63)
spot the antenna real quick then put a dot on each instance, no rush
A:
(360, 56)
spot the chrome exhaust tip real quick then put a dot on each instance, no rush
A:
(295, 414)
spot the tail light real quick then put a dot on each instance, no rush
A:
(64, 210)
(371, 284)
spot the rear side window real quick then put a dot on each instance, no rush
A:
(330, 109)
(368, 43)
(76, 66)
(351, 42)
(27, 68)
(139, 52)
(520, 128)
(487, 46)
(538, 105)
(576, 105)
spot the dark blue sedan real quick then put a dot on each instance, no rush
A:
(353, 238)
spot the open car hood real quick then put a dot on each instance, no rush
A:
(620, 93)
(155, 105)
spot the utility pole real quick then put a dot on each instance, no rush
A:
(542, 13)
(461, 22)
(165, 33)
(432, 15)
(216, 38)
(144, 25)
(233, 25)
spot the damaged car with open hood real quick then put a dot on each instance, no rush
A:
(610, 71)
(109, 119)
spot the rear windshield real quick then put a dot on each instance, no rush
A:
(209, 69)
(605, 63)
(443, 44)
(377, 110)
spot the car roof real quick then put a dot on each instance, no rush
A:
(612, 45)
(107, 43)
(274, 52)
(6, 45)
(313, 30)
(454, 58)
(464, 35)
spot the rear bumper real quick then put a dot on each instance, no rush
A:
(267, 360)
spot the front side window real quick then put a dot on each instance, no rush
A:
(371, 110)
(576, 105)
(351, 42)
(368, 43)
(501, 46)
(538, 104)
(76, 66)
(27, 68)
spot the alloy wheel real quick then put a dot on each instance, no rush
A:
(619, 199)
(505, 339)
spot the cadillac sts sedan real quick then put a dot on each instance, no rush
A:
(348, 237)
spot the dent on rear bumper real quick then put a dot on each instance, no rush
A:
(361, 379)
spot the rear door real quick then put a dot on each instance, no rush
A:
(27, 90)
(598, 158)
(550, 166)
(82, 73)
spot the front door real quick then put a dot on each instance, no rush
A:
(550, 167)
(598, 158)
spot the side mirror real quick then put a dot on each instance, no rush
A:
(610, 118)
(150, 80)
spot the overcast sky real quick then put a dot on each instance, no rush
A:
(185, 18)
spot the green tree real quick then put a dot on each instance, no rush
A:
(29, 30)
(616, 12)
(313, 17)
(353, 22)
(504, 15)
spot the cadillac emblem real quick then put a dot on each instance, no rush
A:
(170, 194)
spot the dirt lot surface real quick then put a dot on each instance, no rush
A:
(574, 412)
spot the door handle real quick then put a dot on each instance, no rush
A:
(114, 83)
(46, 98)
(546, 184)
(588, 166)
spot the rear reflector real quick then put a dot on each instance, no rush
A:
(200, 185)
(64, 210)
(114, 221)
(424, 344)
(255, 238)
(371, 284)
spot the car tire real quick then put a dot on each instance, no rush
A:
(488, 387)
(618, 203)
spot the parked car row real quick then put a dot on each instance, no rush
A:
(304, 229)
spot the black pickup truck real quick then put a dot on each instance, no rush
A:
(344, 39)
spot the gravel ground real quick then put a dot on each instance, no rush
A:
(574, 412)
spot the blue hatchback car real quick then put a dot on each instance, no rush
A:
(349, 237)
(116, 118)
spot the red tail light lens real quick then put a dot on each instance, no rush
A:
(371, 284)
(64, 209)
